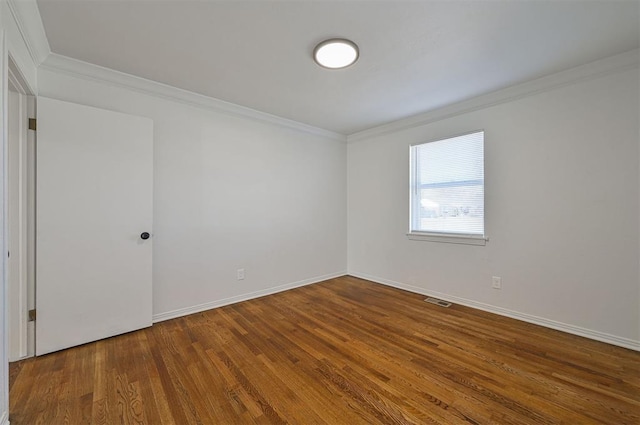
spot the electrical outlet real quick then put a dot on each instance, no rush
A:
(496, 282)
(240, 274)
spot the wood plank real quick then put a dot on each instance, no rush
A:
(341, 351)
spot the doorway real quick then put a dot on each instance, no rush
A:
(20, 216)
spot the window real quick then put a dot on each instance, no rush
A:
(447, 190)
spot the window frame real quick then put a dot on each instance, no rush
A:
(432, 236)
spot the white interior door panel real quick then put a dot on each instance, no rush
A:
(94, 200)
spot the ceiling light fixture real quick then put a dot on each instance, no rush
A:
(336, 53)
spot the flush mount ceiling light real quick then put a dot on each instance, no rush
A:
(335, 53)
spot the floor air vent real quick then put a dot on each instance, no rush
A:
(436, 301)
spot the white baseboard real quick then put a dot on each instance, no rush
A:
(4, 419)
(17, 359)
(239, 298)
(564, 327)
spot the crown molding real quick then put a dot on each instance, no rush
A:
(612, 64)
(27, 18)
(77, 68)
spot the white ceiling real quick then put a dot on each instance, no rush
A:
(415, 56)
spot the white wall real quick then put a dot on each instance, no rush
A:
(562, 213)
(230, 192)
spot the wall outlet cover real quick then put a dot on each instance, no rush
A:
(496, 282)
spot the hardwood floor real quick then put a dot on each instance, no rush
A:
(344, 351)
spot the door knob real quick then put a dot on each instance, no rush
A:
(145, 235)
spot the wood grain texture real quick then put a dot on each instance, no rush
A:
(344, 351)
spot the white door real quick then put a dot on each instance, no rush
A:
(94, 202)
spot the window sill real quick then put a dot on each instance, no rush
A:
(448, 238)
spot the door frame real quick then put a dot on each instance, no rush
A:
(22, 235)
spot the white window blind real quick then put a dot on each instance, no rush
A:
(447, 186)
